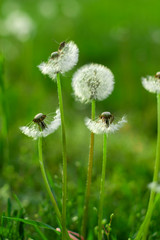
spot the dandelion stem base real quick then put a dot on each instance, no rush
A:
(100, 215)
(143, 231)
(89, 179)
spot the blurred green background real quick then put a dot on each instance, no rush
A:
(122, 35)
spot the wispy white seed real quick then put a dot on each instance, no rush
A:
(36, 129)
(151, 83)
(63, 61)
(99, 126)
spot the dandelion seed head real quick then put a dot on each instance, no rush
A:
(42, 125)
(152, 83)
(18, 24)
(61, 61)
(92, 81)
(99, 126)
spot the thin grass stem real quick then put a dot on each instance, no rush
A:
(4, 151)
(42, 236)
(100, 215)
(89, 178)
(143, 231)
(64, 154)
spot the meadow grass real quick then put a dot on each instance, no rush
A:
(129, 45)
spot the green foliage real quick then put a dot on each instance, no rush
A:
(121, 35)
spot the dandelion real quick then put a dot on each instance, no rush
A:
(90, 83)
(152, 84)
(19, 24)
(42, 125)
(103, 125)
(60, 61)
(93, 82)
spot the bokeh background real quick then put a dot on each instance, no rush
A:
(122, 35)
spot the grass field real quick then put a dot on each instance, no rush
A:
(125, 37)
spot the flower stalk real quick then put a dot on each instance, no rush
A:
(54, 203)
(100, 215)
(46, 180)
(89, 178)
(143, 231)
(64, 154)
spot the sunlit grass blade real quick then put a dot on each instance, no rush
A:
(33, 223)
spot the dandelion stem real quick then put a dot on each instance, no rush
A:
(4, 151)
(100, 215)
(64, 153)
(48, 187)
(89, 178)
(143, 231)
(46, 180)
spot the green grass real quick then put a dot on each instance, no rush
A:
(123, 36)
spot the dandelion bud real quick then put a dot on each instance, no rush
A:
(152, 83)
(42, 125)
(61, 61)
(104, 124)
(92, 81)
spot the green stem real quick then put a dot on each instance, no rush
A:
(100, 215)
(48, 186)
(46, 180)
(64, 153)
(143, 231)
(89, 179)
(40, 233)
(4, 151)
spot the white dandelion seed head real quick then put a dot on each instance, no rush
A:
(93, 81)
(50, 123)
(66, 59)
(18, 24)
(100, 127)
(151, 83)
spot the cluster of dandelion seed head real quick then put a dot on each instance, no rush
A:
(92, 81)
(151, 84)
(66, 59)
(100, 127)
(51, 122)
